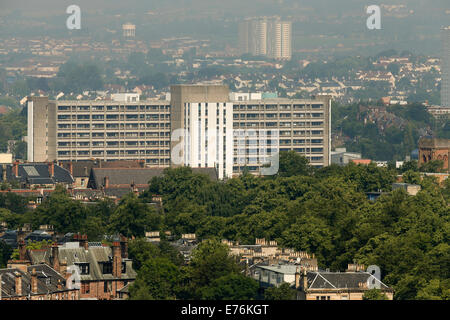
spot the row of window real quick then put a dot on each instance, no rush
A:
(113, 143)
(114, 126)
(276, 115)
(114, 108)
(277, 107)
(113, 152)
(275, 124)
(127, 117)
(87, 135)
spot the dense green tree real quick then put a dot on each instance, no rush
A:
(157, 279)
(374, 294)
(133, 217)
(283, 292)
(231, 287)
(59, 210)
(5, 254)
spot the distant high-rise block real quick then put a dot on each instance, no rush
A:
(445, 67)
(129, 30)
(269, 37)
(279, 40)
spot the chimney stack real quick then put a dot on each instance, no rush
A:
(16, 168)
(297, 279)
(34, 285)
(4, 172)
(22, 250)
(55, 257)
(117, 260)
(71, 168)
(84, 242)
(51, 169)
(18, 283)
(124, 246)
(106, 182)
(305, 280)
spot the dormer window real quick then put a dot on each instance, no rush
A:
(107, 268)
(84, 268)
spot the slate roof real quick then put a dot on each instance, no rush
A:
(339, 280)
(95, 256)
(82, 168)
(46, 276)
(139, 176)
(37, 173)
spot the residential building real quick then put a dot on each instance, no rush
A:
(102, 271)
(341, 157)
(266, 253)
(35, 282)
(349, 285)
(107, 130)
(203, 126)
(266, 36)
(320, 285)
(29, 175)
(129, 30)
(81, 170)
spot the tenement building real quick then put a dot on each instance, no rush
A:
(202, 126)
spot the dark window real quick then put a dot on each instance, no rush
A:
(84, 268)
(107, 268)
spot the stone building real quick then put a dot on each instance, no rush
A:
(434, 149)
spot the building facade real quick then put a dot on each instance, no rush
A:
(202, 126)
(431, 149)
(106, 130)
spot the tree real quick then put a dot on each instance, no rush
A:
(59, 210)
(231, 287)
(374, 294)
(283, 292)
(5, 253)
(293, 164)
(133, 217)
(157, 279)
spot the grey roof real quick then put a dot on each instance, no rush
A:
(82, 168)
(282, 268)
(138, 176)
(46, 276)
(339, 280)
(36, 173)
(95, 256)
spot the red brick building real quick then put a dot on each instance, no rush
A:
(102, 271)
